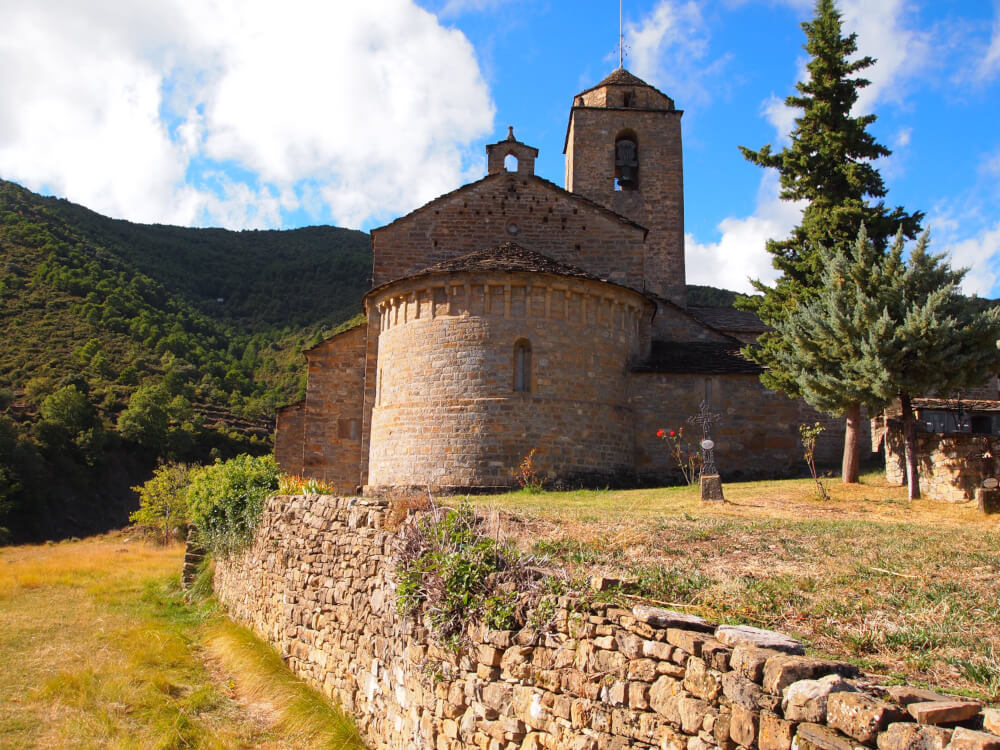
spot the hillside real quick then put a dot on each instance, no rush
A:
(191, 336)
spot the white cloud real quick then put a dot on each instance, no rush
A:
(989, 66)
(971, 241)
(364, 107)
(901, 53)
(461, 7)
(669, 47)
(780, 116)
(740, 255)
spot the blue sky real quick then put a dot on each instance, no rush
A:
(245, 114)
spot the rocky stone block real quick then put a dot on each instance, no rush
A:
(967, 739)
(781, 671)
(743, 726)
(741, 690)
(909, 736)
(688, 641)
(746, 635)
(667, 618)
(656, 650)
(806, 700)
(692, 713)
(721, 730)
(860, 716)
(818, 737)
(774, 732)
(991, 720)
(904, 695)
(701, 681)
(943, 712)
(748, 661)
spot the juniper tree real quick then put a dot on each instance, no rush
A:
(827, 164)
(881, 328)
(929, 338)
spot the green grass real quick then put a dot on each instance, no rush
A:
(99, 649)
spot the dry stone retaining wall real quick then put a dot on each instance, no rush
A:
(318, 584)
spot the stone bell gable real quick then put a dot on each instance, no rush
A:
(512, 207)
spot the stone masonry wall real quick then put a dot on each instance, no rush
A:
(445, 380)
(289, 437)
(334, 410)
(511, 207)
(758, 427)
(317, 583)
(951, 466)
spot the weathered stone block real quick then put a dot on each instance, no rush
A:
(991, 720)
(909, 736)
(745, 635)
(743, 726)
(741, 690)
(687, 640)
(774, 732)
(692, 713)
(806, 700)
(818, 737)
(701, 681)
(904, 695)
(782, 671)
(667, 618)
(656, 650)
(967, 739)
(860, 716)
(748, 661)
(943, 712)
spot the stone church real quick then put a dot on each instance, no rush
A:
(513, 315)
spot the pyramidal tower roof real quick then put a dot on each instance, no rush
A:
(646, 97)
(622, 76)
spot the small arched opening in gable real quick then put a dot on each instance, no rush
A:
(626, 161)
(510, 163)
(522, 366)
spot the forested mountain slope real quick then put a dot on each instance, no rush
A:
(124, 344)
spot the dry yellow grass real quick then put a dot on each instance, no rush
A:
(98, 650)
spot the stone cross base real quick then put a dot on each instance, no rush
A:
(711, 489)
(988, 500)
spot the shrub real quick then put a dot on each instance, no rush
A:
(458, 574)
(225, 500)
(162, 499)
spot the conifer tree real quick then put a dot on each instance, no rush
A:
(928, 339)
(881, 328)
(827, 164)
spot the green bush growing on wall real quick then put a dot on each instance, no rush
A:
(225, 500)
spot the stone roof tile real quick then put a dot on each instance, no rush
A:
(698, 358)
(508, 256)
(729, 319)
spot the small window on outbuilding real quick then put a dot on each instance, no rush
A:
(522, 365)
(510, 163)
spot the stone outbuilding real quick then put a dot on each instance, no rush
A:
(513, 315)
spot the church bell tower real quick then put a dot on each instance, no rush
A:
(623, 150)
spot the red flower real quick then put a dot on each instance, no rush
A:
(672, 433)
(659, 433)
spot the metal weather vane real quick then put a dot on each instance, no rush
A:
(622, 49)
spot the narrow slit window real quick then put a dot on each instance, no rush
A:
(522, 365)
